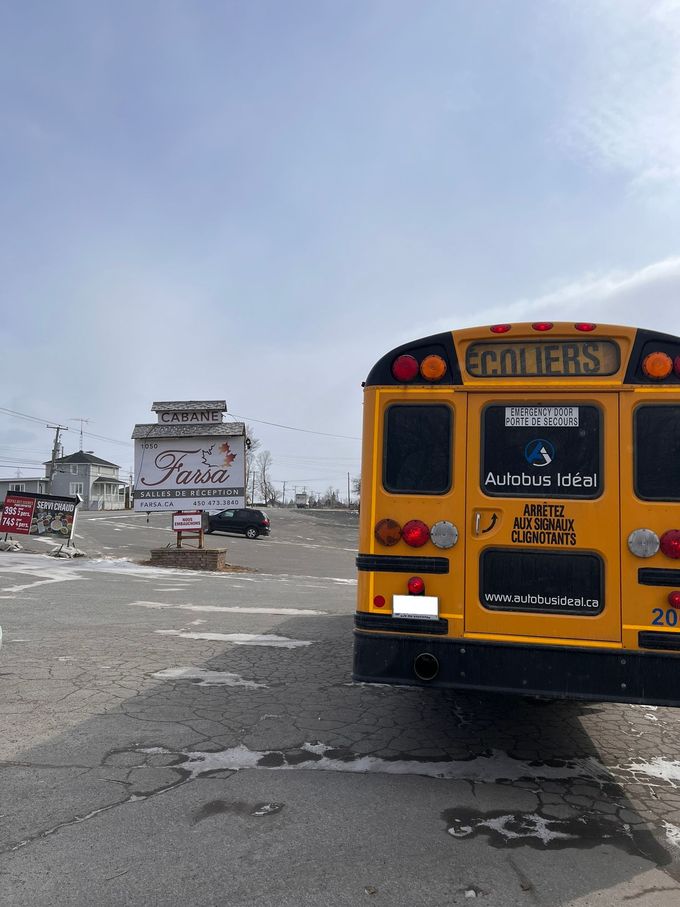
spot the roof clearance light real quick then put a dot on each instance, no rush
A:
(500, 328)
(657, 365)
(643, 543)
(676, 366)
(433, 368)
(542, 325)
(388, 532)
(674, 599)
(670, 543)
(415, 533)
(416, 586)
(585, 326)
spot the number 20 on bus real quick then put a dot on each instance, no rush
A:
(520, 513)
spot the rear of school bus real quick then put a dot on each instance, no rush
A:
(520, 513)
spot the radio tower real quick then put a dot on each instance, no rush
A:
(82, 422)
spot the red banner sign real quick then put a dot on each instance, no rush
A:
(17, 514)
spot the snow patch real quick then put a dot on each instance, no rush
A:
(207, 678)
(672, 833)
(242, 639)
(235, 609)
(492, 768)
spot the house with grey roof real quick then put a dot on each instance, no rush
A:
(23, 483)
(94, 479)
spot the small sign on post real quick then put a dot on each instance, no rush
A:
(189, 524)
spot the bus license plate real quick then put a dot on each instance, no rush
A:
(417, 607)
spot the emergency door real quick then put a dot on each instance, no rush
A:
(542, 556)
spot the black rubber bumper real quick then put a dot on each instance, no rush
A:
(562, 673)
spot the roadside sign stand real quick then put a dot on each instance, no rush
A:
(189, 524)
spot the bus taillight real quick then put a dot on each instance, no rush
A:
(674, 599)
(405, 368)
(415, 533)
(433, 368)
(657, 365)
(388, 532)
(416, 586)
(676, 366)
(670, 543)
(379, 601)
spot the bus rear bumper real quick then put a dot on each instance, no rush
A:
(651, 678)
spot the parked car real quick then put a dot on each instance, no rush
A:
(250, 523)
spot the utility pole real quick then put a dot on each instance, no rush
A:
(55, 451)
(284, 494)
(349, 500)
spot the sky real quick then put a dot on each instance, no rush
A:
(255, 200)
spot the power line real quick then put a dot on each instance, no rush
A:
(88, 434)
(307, 431)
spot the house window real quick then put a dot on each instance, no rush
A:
(18, 486)
(74, 469)
(75, 488)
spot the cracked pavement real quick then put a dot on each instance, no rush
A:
(141, 766)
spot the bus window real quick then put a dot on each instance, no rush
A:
(539, 451)
(657, 452)
(417, 450)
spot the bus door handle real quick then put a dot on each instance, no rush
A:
(491, 521)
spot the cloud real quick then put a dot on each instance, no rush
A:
(645, 298)
(622, 107)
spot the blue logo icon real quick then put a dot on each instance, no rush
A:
(539, 452)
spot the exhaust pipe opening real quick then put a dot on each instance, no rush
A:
(425, 666)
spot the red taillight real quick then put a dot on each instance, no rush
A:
(415, 533)
(670, 543)
(674, 599)
(542, 325)
(405, 368)
(416, 586)
(676, 366)
(379, 601)
(500, 328)
(585, 326)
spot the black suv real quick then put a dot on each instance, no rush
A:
(250, 523)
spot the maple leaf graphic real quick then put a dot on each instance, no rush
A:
(229, 457)
(207, 454)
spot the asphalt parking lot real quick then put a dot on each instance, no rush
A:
(180, 738)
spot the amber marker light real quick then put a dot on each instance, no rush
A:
(433, 368)
(388, 532)
(657, 365)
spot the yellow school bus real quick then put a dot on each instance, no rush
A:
(520, 513)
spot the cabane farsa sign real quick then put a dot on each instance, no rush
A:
(197, 473)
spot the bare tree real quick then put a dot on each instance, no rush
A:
(252, 446)
(264, 479)
(356, 486)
